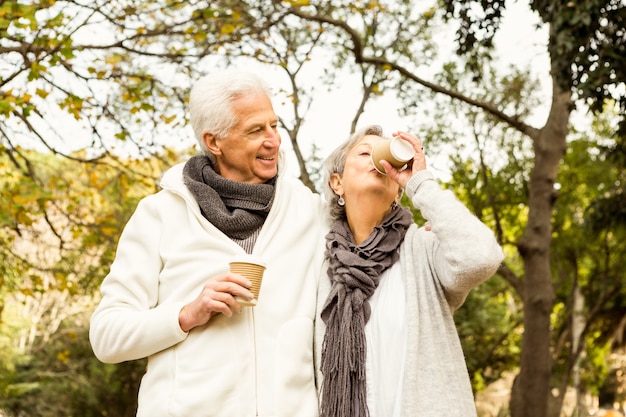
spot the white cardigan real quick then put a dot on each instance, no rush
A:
(439, 269)
(257, 363)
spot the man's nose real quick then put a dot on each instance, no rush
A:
(272, 138)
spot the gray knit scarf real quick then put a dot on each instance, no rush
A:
(236, 208)
(355, 272)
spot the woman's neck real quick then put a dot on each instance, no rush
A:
(364, 216)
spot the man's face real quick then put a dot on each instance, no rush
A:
(250, 152)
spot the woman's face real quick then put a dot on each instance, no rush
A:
(361, 179)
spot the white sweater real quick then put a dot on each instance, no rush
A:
(439, 268)
(257, 363)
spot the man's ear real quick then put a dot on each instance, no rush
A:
(211, 143)
(335, 183)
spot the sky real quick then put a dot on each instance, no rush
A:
(518, 43)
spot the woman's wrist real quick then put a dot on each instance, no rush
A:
(416, 180)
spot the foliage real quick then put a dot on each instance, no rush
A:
(59, 228)
(104, 83)
(76, 209)
(75, 89)
(66, 379)
(579, 35)
(589, 250)
(587, 50)
(489, 166)
(490, 170)
(489, 325)
(589, 46)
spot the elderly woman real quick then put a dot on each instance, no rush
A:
(386, 343)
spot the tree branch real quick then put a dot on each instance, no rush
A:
(358, 48)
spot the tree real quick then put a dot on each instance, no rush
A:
(587, 258)
(114, 83)
(59, 226)
(586, 44)
(490, 170)
(489, 164)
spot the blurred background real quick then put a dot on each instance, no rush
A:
(520, 105)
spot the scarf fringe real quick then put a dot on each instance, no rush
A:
(343, 367)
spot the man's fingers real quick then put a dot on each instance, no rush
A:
(232, 288)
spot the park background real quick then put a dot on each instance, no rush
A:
(520, 105)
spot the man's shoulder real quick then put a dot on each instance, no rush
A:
(295, 185)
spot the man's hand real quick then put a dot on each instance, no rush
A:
(217, 296)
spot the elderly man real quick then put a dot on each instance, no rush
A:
(169, 295)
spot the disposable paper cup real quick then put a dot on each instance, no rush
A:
(253, 269)
(396, 151)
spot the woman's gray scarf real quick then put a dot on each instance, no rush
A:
(355, 272)
(236, 208)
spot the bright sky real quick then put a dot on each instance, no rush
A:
(518, 43)
(328, 121)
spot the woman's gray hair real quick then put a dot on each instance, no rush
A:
(210, 102)
(336, 162)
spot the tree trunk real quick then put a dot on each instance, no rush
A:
(531, 389)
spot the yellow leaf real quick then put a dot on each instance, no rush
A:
(113, 59)
(22, 199)
(64, 356)
(167, 119)
(109, 231)
(227, 29)
(93, 179)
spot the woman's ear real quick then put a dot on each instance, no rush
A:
(210, 141)
(335, 183)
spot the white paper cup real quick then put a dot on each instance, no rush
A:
(396, 151)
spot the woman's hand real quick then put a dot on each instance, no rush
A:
(418, 163)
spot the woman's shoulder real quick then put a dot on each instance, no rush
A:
(416, 231)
